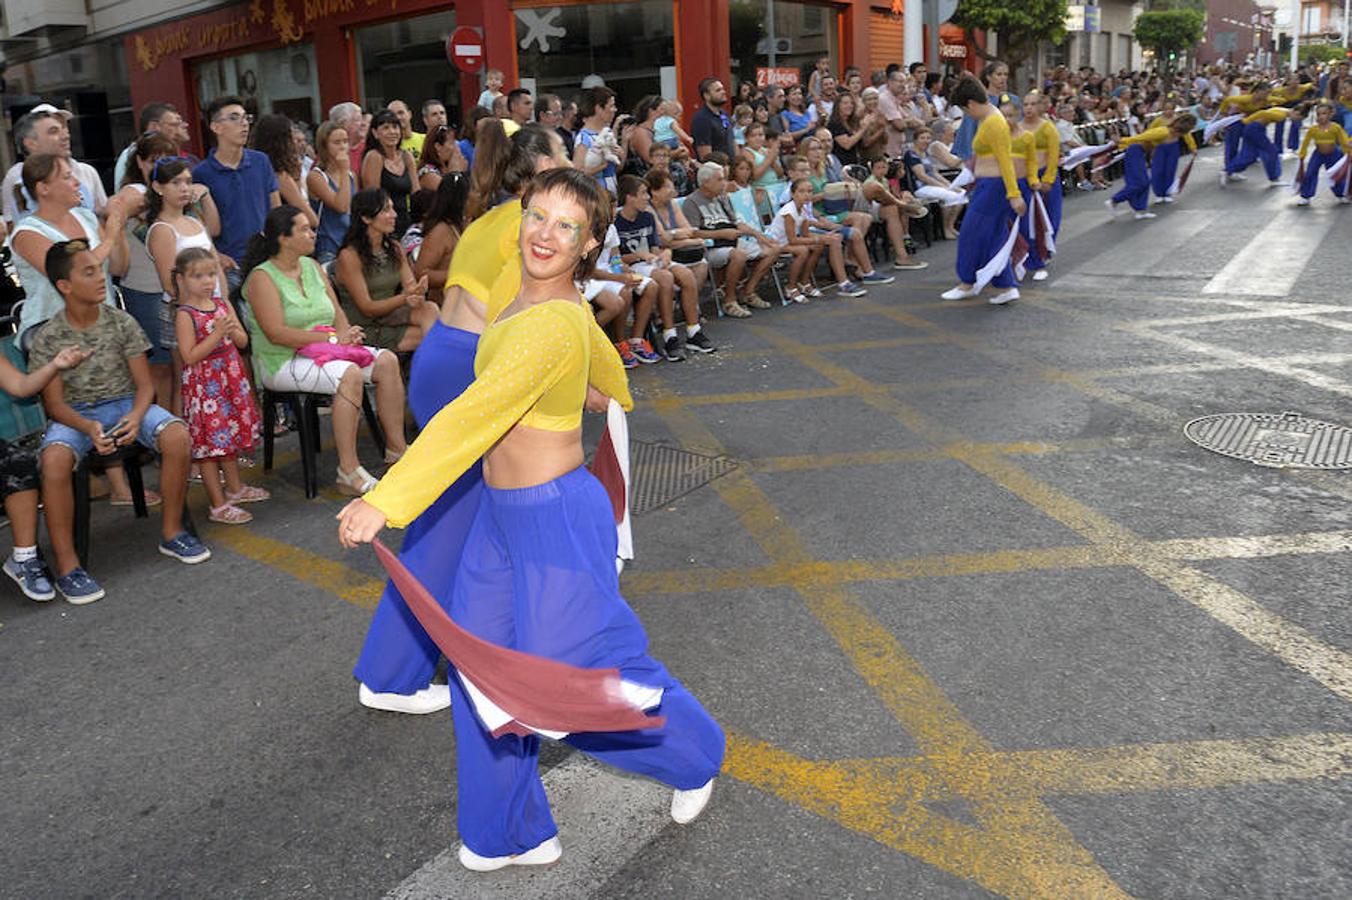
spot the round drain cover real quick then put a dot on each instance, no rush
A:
(1280, 441)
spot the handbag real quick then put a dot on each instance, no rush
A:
(324, 352)
(688, 256)
(19, 416)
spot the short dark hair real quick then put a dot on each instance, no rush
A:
(543, 102)
(428, 104)
(516, 94)
(152, 113)
(587, 193)
(61, 260)
(592, 99)
(626, 187)
(708, 82)
(913, 66)
(969, 90)
(215, 106)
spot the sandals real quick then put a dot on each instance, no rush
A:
(229, 514)
(794, 295)
(356, 482)
(392, 457)
(152, 499)
(810, 290)
(754, 301)
(736, 310)
(247, 494)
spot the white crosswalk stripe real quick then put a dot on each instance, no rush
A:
(1270, 263)
(605, 817)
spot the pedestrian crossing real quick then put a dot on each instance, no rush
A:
(1270, 264)
(605, 817)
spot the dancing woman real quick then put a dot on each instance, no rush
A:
(398, 658)
(1330, 145)
(538, 569)
(1258, 146)
(1047, 144)
(1135, 169)
(1243, 104)
(1164, 161)
(986, 238)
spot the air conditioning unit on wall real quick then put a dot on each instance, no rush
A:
(783, 46)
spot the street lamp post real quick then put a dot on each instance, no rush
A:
(1295, 34)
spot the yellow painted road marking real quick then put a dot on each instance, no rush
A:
(1019, 849)
(346, 583)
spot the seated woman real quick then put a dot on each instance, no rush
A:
(538, 569)
(441, 156)
(375, 280)
(441, 226)
(292, 306)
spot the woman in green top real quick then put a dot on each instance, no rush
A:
(375, 281)
(292, 305)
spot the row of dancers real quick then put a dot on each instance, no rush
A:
(1014, 212)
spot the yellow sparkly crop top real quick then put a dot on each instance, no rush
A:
(1164, 122)
(1159, 134)
(1325, 136)
(532, 368)
(487, 245)
(1268, 116)
(992, 139)
(1048, 140)
(1024, 147)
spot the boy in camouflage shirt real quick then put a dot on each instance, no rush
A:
(102, 405)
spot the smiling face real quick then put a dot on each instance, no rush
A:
(389, 134)
(554, 236)
(49, 136)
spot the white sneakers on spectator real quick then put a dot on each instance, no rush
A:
(542, 854)
(433, 698)
(687, 805)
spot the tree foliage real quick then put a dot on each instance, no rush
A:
(1020, 24)
(1169, 30)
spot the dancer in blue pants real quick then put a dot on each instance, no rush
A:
(1260, 97)
(398, 659)
(537, 571)
(1135, 170)
(1165, 158)
(1258, 146)
(985, 241)
(1047, 142)
(1330, 145)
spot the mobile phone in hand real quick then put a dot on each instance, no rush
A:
(117, 429)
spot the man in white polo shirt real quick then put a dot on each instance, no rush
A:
(44, 130)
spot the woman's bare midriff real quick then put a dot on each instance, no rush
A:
(529, 456)
(986, 167)
(461, 309)
(1041, 160)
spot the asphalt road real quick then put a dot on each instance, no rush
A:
(976, 617)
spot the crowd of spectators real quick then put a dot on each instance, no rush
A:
(321, 257)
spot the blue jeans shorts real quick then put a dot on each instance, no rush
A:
(107, 413)
(145, 308)
(845, 231)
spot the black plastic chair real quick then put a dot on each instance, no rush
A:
(304, 409)
(132, 458)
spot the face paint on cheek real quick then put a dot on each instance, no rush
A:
(571, 230)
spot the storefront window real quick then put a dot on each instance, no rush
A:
(798, 33)
(407, 61)
(272, 81)
(627, 44)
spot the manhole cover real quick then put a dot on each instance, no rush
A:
(661, 474)
(1280, 441)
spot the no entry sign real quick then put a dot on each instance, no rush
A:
(465, 49)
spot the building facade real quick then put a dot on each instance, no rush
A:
(1238, 32)
(299, 57)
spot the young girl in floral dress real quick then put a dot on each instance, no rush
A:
(218, 400)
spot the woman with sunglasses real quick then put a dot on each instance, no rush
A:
(441, 156)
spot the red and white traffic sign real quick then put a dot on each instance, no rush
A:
(465, 49)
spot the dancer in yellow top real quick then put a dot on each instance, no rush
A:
(538, 570)
(987, 235)
(1135, 174)
(1260, 97)
(1258, 146)
(1165, 158)
(1047, 145)
(1330, 146)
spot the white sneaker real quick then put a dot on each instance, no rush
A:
(1225, 178)
(1112, 207)
(1345, 199)
(1166, 199)
(1238, 176)
(543, 854)
(1008, 296)
(958, 293)
(687, 805)
(1040, 275)
(1278, 183)
(433, 698)
(1305, 201)
(1144, 215)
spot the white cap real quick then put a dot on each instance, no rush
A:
(592, 81)
(48, 108)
